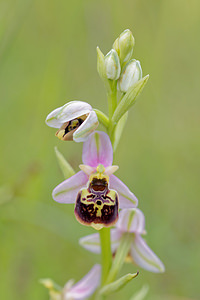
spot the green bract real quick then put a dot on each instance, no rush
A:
(118, 284)
(101, 68)
(129, 99)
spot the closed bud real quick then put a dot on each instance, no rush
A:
(112, 64)
(131, 73)
(124, 45)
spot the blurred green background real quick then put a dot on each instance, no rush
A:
(48, 57)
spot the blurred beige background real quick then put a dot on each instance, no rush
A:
(48, 57)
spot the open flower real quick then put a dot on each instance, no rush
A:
(79, 291)
(75, 120)
(130, 221)
(97, 192)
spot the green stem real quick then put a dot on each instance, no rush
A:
(120, 256)
(112, 98)
(106, 255)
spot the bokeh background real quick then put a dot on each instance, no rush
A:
(48, 57)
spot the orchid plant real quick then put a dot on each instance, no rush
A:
(101, 199)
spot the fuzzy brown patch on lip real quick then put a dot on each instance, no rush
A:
(98, 185)
(97, 211)
(65, 133)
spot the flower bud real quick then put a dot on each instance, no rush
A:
(124, 45)
(131, 73)
(112, 64)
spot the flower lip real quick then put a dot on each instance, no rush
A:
(97, 205)
(96, 209)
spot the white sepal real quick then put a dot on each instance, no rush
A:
(86, 128)
(67, 112)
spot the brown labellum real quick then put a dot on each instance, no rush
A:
(97, 206)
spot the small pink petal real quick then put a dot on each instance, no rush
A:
(131, 220)
(87, 169)
(92, 242)
(97, 150)
(145, 257)
(110, 170)
(66, 192)
(126, 198)
(86, 286)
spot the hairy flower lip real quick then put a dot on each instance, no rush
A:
(77, 115)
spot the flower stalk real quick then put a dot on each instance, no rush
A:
(112, 98)
(106, 254)
(120, 256)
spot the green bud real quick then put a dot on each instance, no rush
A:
(131, 73)
(124, 45)
(112, 64)
(118, 284)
